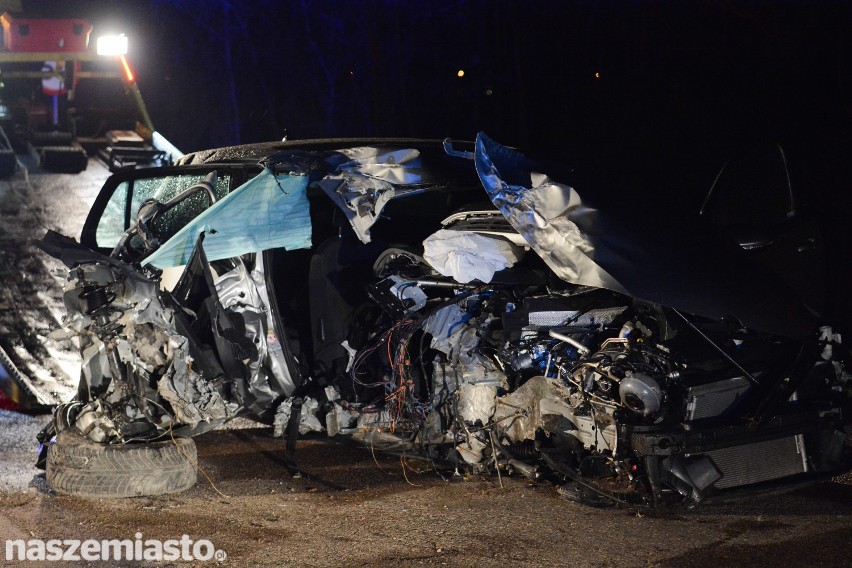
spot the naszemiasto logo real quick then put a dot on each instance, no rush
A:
(91, 550)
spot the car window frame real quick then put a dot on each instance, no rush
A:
(792, 204)
(239, 174)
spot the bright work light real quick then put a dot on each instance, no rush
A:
(112, 45)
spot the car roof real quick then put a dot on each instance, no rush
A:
(252, 153)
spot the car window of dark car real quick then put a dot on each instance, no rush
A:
(752, 189)
(115, 219)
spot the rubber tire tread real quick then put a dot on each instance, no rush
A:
(77, 466)
(52, 138)
(63, 159)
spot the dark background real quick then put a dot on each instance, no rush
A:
(574, 74)
(644, 99)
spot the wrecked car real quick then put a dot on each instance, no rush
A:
(456, 302)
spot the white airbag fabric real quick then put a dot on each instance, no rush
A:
(468, 256)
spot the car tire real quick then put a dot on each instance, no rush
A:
(77, 466)
(63, 159)
(51, 138)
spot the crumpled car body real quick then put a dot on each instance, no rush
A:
(453, 302)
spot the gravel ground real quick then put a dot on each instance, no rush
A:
(353, 509)
(19, 448)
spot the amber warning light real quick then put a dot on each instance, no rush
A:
(128, 72)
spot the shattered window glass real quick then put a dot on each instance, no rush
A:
(266, 212)
(163, 189)
(112, 223)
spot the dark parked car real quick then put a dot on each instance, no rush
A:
(456, 302)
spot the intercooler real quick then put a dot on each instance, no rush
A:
(747, 463)
(760, 461)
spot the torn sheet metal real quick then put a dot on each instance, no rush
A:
(193, 399)
(243, 294)
(150, 362)
(400, 167)
(157, 347)
(308, 421)
(362, 186)
(130, 379)
(550, 216)
(666, 261)
(269, 211)
(360, 198)
(467, 256)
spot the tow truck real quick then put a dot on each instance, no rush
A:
(65, 105)
(62, 101)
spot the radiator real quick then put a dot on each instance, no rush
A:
(713, 399)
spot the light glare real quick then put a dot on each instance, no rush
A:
(113, 45)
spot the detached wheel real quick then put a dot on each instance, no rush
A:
(78, 466)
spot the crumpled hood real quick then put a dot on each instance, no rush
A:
(680, 263)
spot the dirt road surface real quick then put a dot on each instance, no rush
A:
(353, 508)
(349, 509)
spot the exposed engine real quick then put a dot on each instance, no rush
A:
(579, 382)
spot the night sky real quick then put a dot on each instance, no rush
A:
(647, 97)
(536, 74)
